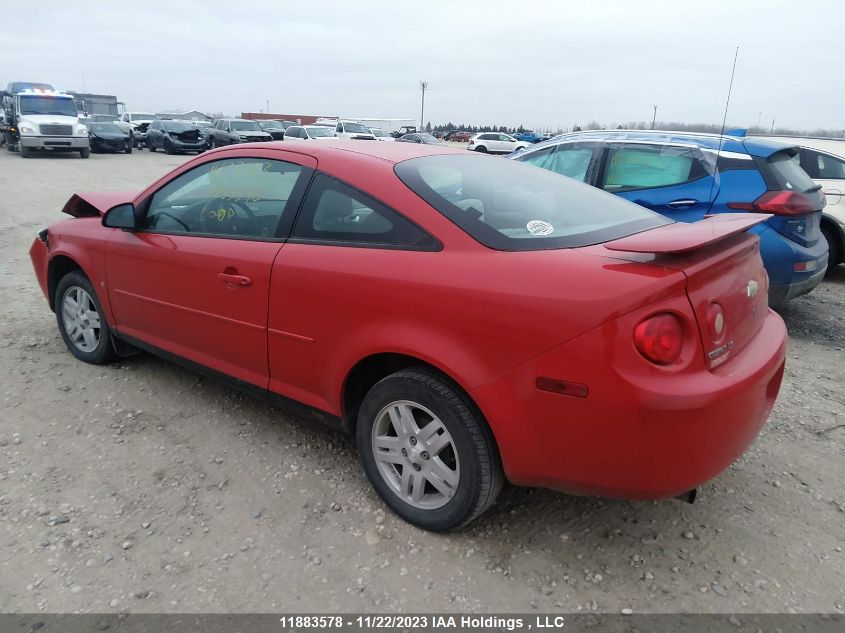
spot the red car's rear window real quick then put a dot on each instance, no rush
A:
(509, 205)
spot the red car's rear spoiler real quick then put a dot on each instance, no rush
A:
(89, 205)
(682, 237)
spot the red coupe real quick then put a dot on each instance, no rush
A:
(468, 318)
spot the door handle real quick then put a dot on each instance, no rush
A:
(234, 279)
(679, 204)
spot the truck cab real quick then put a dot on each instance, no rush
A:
(42, 119)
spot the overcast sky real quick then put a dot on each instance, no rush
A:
(533, 62)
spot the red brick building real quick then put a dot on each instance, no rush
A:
(304, 119)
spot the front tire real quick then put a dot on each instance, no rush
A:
(84, 153)
(25, 152)
(128, 149)
(212, 143)
(427, 451)
(168, 148)
(82, 323)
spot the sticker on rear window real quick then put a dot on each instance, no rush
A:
(539, 227)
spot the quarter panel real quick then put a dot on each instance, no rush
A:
(474, 314)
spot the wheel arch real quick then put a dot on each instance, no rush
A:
(58, 267)
(829, 224)
(371, 369)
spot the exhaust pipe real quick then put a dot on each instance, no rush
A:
(688, 496)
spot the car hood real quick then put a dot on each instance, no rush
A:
(86, 205)
(41, 119)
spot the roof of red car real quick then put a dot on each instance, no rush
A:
(390, 151)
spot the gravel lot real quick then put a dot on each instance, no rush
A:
(143, 487)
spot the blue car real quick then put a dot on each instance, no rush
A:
(529, 137)
(686, 176)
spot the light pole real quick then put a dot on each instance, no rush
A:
(267, 106)
(654, 118)
(773, 127)
(759, 115)
(423, 87)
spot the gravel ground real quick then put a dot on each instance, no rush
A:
(143, 487)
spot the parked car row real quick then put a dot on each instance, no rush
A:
(687, 177)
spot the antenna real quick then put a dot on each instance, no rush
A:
(722, 131)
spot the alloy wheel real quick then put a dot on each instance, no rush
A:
(81, 319)
(415, 455)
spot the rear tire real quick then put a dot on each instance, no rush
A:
(150, 147)
(834, 245)
(212, 143)
(438, 466)
(128, 149)
(481, 149)
(81, 321)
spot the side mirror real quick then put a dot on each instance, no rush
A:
(120, 217)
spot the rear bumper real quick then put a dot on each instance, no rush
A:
(780, 255)
(55, 142)
(641, 432)
(779, 295)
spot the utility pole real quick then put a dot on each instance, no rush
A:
(654, 118)
(773, 127)
(423, 87)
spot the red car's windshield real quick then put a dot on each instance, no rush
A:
(508, 205)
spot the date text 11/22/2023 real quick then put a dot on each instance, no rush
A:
(423, 622)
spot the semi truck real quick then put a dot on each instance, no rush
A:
(36, 117)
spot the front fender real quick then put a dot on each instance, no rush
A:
(71, 239)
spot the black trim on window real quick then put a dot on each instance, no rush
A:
(307, 207)
(727, 163)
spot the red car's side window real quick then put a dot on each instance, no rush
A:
(335, 212)
(243, 197)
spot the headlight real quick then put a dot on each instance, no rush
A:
(82, 130)
(25, 129)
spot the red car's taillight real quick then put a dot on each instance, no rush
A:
(779, 203)
(660, 338)
(715, 321)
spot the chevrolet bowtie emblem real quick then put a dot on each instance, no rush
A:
(751, 288)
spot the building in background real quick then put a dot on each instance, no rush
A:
(190, 115)
(302, 119)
